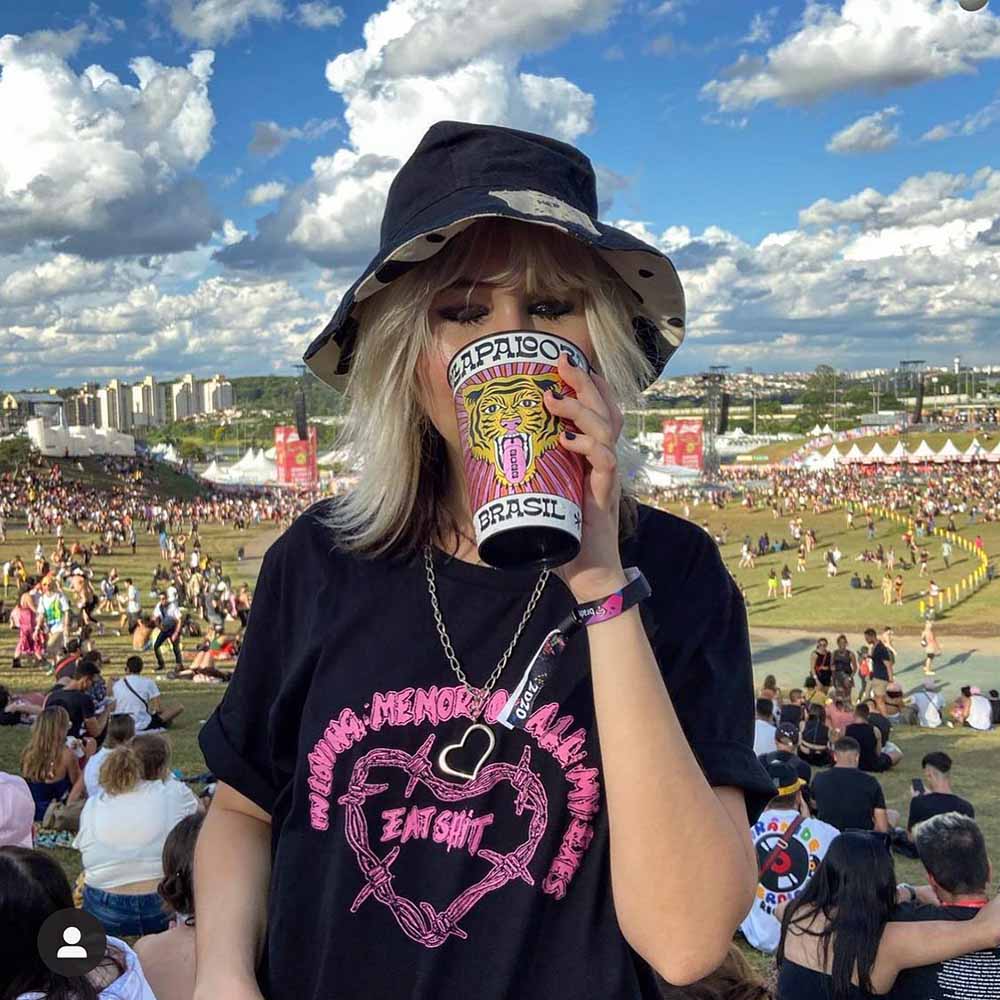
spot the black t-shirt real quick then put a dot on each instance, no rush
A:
(79, 704)
(881, 655)
(791, 713)
(882, 724)
(933, 804)
(845, 798)
(391, 879)
(803, 770)
(864, 733)
(970, 977)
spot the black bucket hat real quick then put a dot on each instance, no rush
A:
(461, 172)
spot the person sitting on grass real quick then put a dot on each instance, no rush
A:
(937, 796)
(845, 796)
(121, 730)
(33, 886)
(953, 852)
(869, 739)
(794, 711)
(814, 745)
(900, 710)
(786, 873)
(49, 764)
(168, 959)
(763, 740)
(838, 938)
(972, 708)
(210, 652)
(839, 715)
(17, 812)
(140, 697)
(122, 832)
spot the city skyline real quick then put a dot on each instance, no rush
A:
(824, 176)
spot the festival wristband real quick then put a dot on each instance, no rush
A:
(518, 708)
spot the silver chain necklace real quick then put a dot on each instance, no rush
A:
(479, 696)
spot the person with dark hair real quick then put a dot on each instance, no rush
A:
(122, 832)
(794, 711)
(814, 744)
(821, 665)
(168, 617)
(140, 697)
(734, 979)
(790, 845)
(839, 939)
(763, 738)
(845, 666)
(33, 886)
(786, 745)
(168, 958)
(952, 849)
(848, 798)
(76, 698)
(869, 740)
(937, 797)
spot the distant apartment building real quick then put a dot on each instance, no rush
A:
(217, 394)
(114, 406)
(185, 398)
(148, 403)
(190, 397)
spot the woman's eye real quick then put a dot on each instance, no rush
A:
(553, 309)
(463, 314)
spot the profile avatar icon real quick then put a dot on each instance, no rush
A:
(72, 948)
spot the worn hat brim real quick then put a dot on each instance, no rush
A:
(659, 323)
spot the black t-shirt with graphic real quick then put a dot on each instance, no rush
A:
(969, 977)
(934, 804)
(390, 878)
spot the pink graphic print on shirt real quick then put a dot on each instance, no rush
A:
(452, 824)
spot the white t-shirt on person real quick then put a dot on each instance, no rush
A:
(121, 836)
(131, 702)
(763, 737)
(980, 713)
(928, 706)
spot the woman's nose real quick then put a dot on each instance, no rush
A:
(510, 311)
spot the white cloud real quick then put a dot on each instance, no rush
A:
(866, 45)
(761, 26)
(873, 133)
(856, 279)
(231, 233)
(660, 45)
(332, 219)
(97, 166)
(263, 193)
(211, 22)
(972, 124)
(319, 15)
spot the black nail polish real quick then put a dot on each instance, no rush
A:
(556, 394)
(571, 359)
(570, 436)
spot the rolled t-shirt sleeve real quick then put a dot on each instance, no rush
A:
(705, 659)
(235, 738)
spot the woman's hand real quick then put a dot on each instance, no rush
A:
(596, 423)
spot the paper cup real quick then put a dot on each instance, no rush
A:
(525, 489)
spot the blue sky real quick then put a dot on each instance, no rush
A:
(188, 185)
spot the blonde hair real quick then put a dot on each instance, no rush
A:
(120, 771)
(48, 740)
(397, 505)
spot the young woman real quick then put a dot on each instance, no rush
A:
(365, 838)
(931, 646)
(845, 666)
(33, 886)
(122, 832)
(814, 747)
(838, 939)
(48, 764)
(168, 959)
(821, 665)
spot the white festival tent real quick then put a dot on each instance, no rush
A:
(817, 461)
(854, 455)
(667, 475)
(165, 453)
(877, 454)
(827, 429)
(897, 455)
(816, 431)
(974, 453)
(948, 453)
(994, 455)
(923, 453)
(833, 457)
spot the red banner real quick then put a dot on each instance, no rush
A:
(683, 443)
(296, 460)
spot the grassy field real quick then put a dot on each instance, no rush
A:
(782, 449)
(820, 602)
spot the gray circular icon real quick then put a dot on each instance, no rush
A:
(71, 942)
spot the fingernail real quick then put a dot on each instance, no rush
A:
(571, 359)
(556, 394)
(570, 436)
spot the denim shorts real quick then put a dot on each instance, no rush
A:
(123, 915)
